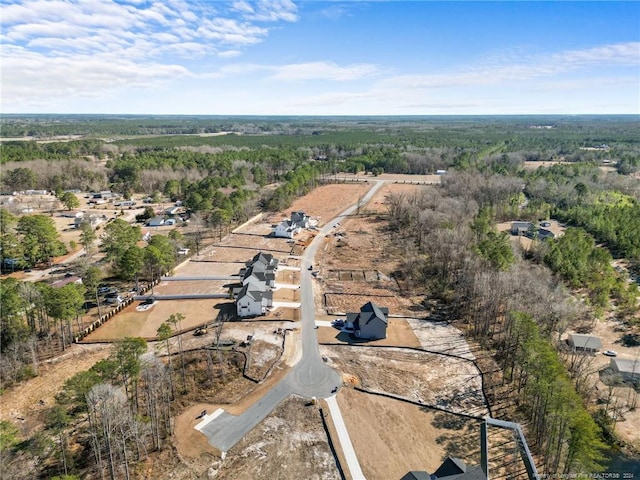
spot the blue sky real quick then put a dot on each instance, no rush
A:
(279, 57)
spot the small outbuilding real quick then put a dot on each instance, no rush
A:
(584, 343)
(155, 222)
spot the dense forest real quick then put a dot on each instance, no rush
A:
(515, 303)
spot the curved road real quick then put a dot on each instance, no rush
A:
(310, 377)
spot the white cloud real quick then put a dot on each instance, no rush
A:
(501, 71)
(87, 47)
(322, 71)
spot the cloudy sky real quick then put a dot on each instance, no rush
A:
(280, 57)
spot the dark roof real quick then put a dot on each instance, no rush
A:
(265, 258)
(472, 473)
(381, 312)
(451, 466)
(254, 294)
(455, 469)
(417, 476)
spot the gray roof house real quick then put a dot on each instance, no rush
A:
(253, 295)
(288, 228)
(370, 323)
(584, 343)
(251, 303)
(627, 368)
(155, 222)
(520, 228)
(266, 259)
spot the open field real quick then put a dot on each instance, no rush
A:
(391, 437)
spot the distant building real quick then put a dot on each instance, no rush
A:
(155, 222)
(584, 343)
(66, 281)
(370, 323)
(520, 228)
(627, 368)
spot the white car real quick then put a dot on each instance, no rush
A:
(610, 353)
(183, 251)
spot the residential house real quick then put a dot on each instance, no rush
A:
(289, 228)
(370, 323)
(155, 222)
(253, 295)
(251, 303)
(584, 343)
(627, 368)
(261, 273)
(266, 259)
(94, 220)
(520, 228)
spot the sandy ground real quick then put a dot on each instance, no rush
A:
(392, 437)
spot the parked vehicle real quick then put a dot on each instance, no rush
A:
(113, 299)
(610, 353)
(106, 289)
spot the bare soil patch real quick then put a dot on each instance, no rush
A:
(29, 399)
(391, 437)
(289, 444)
(145, 324)
(446, 382)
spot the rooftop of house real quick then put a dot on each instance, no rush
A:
(627, 365)
(585, 341)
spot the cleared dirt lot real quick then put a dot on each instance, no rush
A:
(289, 444)
(446, 382)
(392, 437)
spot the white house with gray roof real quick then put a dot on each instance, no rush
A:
(252, 303)
(289, 228)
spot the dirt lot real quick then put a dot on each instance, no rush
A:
(610, 333)
(431, 379)
(289, 444)
(27, 400)
(399, 333)
(401, 437)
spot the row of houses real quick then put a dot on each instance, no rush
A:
(254, 294)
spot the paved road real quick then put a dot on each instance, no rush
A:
(310, 377)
